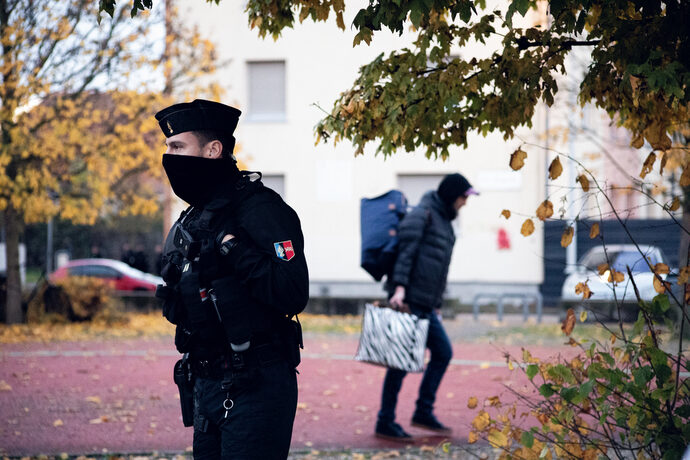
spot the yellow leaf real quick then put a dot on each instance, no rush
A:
(616, 277)
(661, 269)
(675, 204)
(594, 231)
(498, 439)
(517, 159)
(527, 227)
(93, 399)
(648, 165)
(613, 338)
(4, 386)
(545, 210)
(684, 275)
(637, 142)
(685, 177)
(602, 268)
(493, 401)
(567, 237)
(472, 402)
(582, 288)
(569, 322)
(584, 182)
(583, 316)
(505, 213)
(472, 438)
(659, 286)
(481, 421)
(555, 169)
(58, 422)
(510, 365)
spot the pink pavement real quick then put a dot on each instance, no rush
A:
(118, 396)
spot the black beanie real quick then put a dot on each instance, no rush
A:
(453, 186)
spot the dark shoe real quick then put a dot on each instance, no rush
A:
(429, 422)
(392, 431)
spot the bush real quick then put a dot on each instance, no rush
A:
(620, 399)
(73, 299)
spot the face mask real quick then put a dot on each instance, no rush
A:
(196, 180)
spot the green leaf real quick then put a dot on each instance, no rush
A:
(569, 393)
(546, 390)
(527, 439)
(531, 371)
(661, 301)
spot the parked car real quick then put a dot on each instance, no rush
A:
(618, 256)
(122, 276)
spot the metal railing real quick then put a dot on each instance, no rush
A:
(500, 299)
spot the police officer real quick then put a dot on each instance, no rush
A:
(235, 276)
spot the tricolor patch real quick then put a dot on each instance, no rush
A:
(284, 250)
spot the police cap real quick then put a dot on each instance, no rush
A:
(198, 115)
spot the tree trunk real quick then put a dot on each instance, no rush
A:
(13, 306)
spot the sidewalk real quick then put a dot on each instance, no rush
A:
(118, 396)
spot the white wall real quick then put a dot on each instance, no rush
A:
(325, 183)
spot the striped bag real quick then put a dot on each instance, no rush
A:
(392, 339)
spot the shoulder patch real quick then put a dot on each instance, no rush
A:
(284, 250)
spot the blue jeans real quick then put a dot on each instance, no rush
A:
(441, 352)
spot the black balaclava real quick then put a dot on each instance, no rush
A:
(196, 180)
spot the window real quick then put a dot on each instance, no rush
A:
(266, 90)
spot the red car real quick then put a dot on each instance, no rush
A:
(122, 276)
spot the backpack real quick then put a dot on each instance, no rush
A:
(379, 219)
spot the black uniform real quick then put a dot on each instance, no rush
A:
(244, 402)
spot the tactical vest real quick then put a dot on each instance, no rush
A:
(203, 298)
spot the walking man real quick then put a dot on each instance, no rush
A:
(418, 281)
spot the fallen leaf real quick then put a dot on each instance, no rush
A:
(545, 210)
(505, 213)
(472, 402)
(527, 228)
(93, 399)
(328, 392)
(485, 365)
(450, 395)
(567, 237)
(594, 231)
(493, 401)
(648, 165)
(569, 322)
(555, 169)
(517, 159)
(4, 386)
(584, 182)
(58, 422)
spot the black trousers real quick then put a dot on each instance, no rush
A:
(259, 425)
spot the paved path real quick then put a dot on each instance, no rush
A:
(94, 397)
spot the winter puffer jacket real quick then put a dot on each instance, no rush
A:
(426, 244)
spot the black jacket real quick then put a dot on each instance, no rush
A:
(260, 282)
(426, 244)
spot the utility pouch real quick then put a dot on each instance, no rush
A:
(235, 309)
(196, 310)
(170, 303)
(183, 378)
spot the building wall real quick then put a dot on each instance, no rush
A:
(324, 183)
